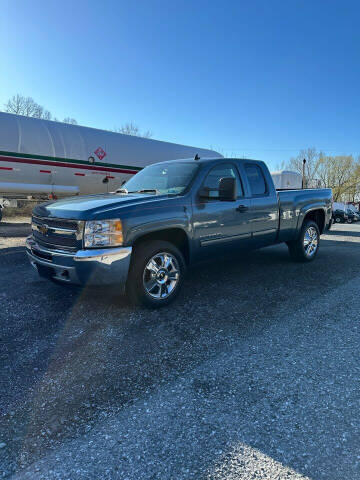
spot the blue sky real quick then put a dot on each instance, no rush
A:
(256, 78)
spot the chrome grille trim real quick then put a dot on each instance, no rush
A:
(59, 233)
(57, 222)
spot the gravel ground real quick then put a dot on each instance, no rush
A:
(12, 231)
(252, 373)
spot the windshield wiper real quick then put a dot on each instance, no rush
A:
(147, 190)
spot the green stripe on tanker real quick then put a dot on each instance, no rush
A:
(68, 160)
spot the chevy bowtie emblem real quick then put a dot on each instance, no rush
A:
(43, 229)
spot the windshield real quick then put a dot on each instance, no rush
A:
(166, 178)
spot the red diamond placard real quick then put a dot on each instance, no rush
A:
(100, 153)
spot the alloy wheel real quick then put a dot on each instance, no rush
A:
(311, 241)
(161, 275)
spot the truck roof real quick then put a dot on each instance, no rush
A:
(208, 160)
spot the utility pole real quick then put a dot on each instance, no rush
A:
(303, 183)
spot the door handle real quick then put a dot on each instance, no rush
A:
(242, 208)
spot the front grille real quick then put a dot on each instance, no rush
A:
(57, 222)
(57, 233)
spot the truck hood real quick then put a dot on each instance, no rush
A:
(91, 207)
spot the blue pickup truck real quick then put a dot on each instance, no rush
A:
(169, 215)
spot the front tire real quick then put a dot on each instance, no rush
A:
(306, 246)
(337, 219)
(156, 274)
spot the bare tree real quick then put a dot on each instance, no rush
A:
(70, 120)
(27, 106)
(312, 164)
(342, 174)
(132, 129)
(47, 115)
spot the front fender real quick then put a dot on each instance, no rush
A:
(152, 226)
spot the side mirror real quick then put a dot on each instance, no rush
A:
(205, 193)
(227, 189)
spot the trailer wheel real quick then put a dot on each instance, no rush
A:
(306, 246)
(156, 274)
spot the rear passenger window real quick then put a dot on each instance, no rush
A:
(256, 180)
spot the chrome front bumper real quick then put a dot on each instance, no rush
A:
(84, 267)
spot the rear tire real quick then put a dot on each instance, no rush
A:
(337, 219)
(156, 274)
(306, 246)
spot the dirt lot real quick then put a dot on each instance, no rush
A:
(253, 372)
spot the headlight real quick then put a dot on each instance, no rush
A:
(103, 233)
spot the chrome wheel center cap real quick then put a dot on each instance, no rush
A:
(161, 276)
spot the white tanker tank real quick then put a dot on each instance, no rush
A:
(287, 180)
(43, 157)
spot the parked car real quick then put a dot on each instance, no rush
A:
(169, 216)
(352, 216)
(340, 216)
(357, 214)
(353, 213)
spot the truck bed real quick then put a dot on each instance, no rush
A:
(292, 204)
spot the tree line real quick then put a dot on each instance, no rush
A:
(341, 173)
(21, 105)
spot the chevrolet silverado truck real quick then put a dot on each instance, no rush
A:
(168, 216)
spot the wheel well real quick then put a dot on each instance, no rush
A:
(176, 236)
(318, 216)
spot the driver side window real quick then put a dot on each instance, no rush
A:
(213, 178)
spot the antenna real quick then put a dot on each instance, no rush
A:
(196, 157)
